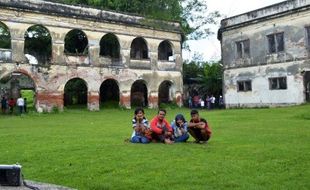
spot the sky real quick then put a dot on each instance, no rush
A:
(210, 48)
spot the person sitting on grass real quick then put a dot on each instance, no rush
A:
(198, 128)
(179, 126)
(161, 129)
(141, 127)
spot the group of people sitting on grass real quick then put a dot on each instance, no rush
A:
(160, 130)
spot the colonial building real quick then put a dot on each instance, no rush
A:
(69, 54)
(266, 56)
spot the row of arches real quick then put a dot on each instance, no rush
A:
(38, 43)
(76, 91)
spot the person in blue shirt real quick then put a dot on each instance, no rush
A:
(140, 128)
(179, 126)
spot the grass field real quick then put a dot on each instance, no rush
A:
(250, 149)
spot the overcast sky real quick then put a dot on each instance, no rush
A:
(210, 47)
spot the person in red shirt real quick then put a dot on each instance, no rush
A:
(161, 129)
(11, 105)
(198, 128)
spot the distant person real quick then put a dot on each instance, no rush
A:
(198, 128)
(221, 102)
(20, 103)
(140, 127)
(25, 105)
(202, 104)
(4, 105)
(190, 102)
(208, 100)
(179, 126)
(11, 105)
(212, 100)
(161, 129)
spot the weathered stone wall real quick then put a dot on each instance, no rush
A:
(93, 69)
(291, 18)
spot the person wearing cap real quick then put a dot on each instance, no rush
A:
(161, 129)
(179, 126)
(199, 128)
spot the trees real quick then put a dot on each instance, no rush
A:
(204, 78)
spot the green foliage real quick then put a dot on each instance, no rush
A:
(206, 76)
(249, 149)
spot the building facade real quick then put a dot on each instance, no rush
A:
(266, 56)
(107, 55)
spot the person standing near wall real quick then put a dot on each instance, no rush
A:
(4, 105)
(11, 105)
(20, 103)
(25, 105)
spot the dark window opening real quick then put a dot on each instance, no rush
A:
(38, 45)
(139, 49)
(164, 93)
(138, 94)
(276, 42)
(244, 86)
(243, 49)
(76, 43)
(109, 93)
(278, 83)
(109, 46)
(165, 51)
(5, 37)
(75, 93)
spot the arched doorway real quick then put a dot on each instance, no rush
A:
(109, 93)
(138, 94)
(75, 93)
(165, 92)
(18, 84)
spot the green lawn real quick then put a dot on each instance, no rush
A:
(250, 149)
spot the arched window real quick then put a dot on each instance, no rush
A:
(109, 46)
(5, 37)
(38, 45)
(139, 49)
(76, 43)
(164, 51)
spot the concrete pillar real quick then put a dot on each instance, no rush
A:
(125, 99)
(179, 99)
(153, 99)
(93, 101)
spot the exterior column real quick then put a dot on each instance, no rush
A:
(93, 101)
(125, 99)
(179, 99)
(153, 99)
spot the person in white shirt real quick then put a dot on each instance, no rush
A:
(20, 103)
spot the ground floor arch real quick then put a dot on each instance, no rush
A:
(109, 93)
(75, 93)
(18, 84)
(165, 92)
(139, 94)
